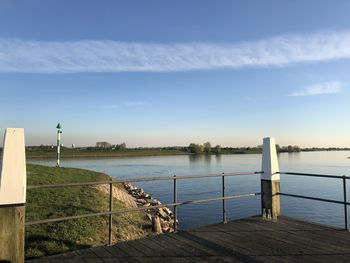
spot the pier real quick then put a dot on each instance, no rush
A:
(268, 237)
(246, 240)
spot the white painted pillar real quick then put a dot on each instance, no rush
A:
(270, 178)
(13, 181)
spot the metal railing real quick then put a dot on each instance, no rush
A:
(175, 203)
(345, 203)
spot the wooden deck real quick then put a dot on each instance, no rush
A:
(246, 240)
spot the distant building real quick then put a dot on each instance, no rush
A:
(103, 145)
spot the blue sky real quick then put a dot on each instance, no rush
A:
(156, 73)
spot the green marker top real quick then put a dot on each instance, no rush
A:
(59, 126)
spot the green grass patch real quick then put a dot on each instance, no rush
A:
(53, 238)
(85, 153)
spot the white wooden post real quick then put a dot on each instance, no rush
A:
(270, 178)
(12, 196)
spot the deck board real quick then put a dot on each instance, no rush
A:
(245, 240)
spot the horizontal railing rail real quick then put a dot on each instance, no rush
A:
(138, 180)
(317, 175)
(174, 204)
(315, 198)
(345, 202)
(119, 211)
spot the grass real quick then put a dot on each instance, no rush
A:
(53, 238)
(81, 153)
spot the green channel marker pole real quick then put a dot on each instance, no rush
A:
(59, 131)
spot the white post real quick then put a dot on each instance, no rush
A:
(59, 131)
(12, 196)
(58, 148)
(270, 178)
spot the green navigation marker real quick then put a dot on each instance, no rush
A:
(59, 131)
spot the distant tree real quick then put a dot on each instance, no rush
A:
(200, 149)
(278, 148)
(217, 149)
(196, 148)
(207, 147)
(121, 146)
(296, 148)
(192, 147)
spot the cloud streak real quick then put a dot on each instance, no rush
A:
(24, 56)
(129, 104)
(319, 89)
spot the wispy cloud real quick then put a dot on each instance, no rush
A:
(114, 56)
(319, 89)
(110, 107)
(136, 103)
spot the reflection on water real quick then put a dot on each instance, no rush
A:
(207, 160)
(202, 214)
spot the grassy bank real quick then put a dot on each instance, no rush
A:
(85, 153)
(53, 238)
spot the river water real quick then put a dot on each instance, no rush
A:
(194, 215)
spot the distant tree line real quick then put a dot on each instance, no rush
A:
(289, 148)
(203, 148)
(108, 146)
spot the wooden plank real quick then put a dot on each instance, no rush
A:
(181, 249)
(12, 233)
(86, 253)
(131, 249)
(40, 260)
(116, 251)
(215, 241)
(59, 260)
(113, 260)
(159, 251)
(246, 240)
(101, 252)
(200, 249)
(93, 260)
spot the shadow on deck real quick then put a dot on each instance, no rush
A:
(246, 240)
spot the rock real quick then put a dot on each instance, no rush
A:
(145, 196)
(141, 201)
(167, 210)
(156, 227)
(155, 202)
(162, 218)
(164, 223)
(166, 229)
(162, 213)
(149, 216)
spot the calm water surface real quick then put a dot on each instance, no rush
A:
(202, 214)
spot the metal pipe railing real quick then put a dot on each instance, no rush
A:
(316, 175)
(138, 180)
(344, 202)
(175, 203)
(127, 210)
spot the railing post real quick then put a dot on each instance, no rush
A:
(175, 207)
(13, 183)
(110, 216)
(270, 179)
(345, 203)
(223, 201)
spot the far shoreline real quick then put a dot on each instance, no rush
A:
(104, 155)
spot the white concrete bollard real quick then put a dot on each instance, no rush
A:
(13, 180)
(270, 178)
